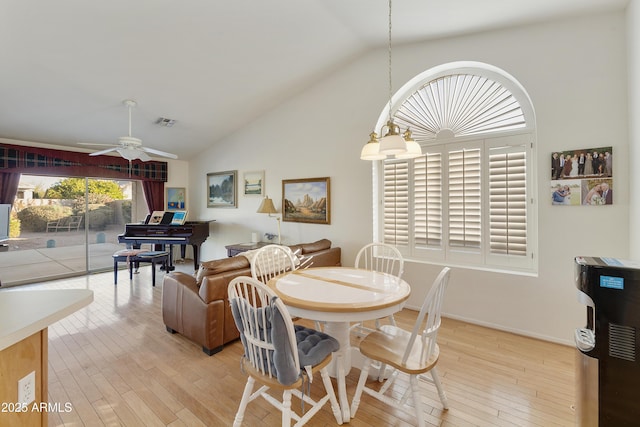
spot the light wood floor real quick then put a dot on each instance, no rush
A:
(115, 364)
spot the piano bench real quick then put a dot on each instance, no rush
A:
(133, 257)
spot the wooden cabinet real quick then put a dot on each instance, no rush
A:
(16, 362)
(24, 320)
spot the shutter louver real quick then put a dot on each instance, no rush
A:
(396, 203)
(420, 216)
(508, 203)
(465, 203)
(427, 183)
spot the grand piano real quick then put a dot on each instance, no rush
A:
(192, 233)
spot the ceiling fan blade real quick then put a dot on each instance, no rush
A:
(143, 156)
(159, 153)
(101, 152)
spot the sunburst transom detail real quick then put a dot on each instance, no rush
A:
(459, 105)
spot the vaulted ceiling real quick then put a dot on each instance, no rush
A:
(212, 66)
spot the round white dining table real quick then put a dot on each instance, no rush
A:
(339, 296)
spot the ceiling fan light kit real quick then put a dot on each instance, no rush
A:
(130, 147)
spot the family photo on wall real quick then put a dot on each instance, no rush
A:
(582, 177)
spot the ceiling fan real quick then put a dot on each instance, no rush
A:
(129, 147)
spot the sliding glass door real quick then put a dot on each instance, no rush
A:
(65, 226)
(108, 207)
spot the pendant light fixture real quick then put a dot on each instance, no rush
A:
(392, 143)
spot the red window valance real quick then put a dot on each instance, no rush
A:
(43, 161)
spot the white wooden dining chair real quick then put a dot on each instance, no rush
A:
(383, 258)
(414, 353)
(278, 354)
(270, 261)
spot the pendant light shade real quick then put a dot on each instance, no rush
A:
(392, 142)
(371, 150)
(413, 148)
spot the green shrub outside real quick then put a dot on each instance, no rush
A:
(14, 226)
(99, 217)
(100, 211)
(35, 218)
(126, 211)
(95, 200)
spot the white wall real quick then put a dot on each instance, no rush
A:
(178, 176)
(633, 58)
(575, 74)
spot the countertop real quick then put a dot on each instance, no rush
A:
(23, 313)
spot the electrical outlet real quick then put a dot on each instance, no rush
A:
(27, 388)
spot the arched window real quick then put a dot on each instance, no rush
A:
(468, 200)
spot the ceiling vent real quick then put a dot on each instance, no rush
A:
(163, 121)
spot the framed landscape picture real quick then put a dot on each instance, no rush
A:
(176, 199)
(306, 200)
(253, 183)
(221, 189)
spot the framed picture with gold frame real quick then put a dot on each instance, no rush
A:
(306, 200)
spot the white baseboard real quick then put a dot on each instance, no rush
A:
(504, 329)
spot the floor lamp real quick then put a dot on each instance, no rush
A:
(267, 207)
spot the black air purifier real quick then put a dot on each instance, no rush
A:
(607, 362)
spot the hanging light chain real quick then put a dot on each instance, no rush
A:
(389, 52)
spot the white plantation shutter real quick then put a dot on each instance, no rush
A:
(508, 201)
(465, 198)
(467, 201)
(396, 203)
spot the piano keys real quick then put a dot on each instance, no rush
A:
(192, 233)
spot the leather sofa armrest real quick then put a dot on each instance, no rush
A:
(213, 288)
(176, 287)
(177, 278)
(184, 311)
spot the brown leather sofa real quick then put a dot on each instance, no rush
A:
(197, 307)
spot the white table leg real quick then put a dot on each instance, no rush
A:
(341, 363)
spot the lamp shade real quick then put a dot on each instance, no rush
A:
(267, 206)
(392, 142)
(370, 151)
(413, 148)
(413, 151)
